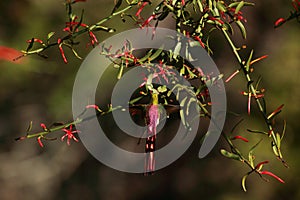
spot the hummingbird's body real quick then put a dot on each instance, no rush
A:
(153, 116)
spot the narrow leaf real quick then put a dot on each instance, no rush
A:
(244, 182)
(230, 155)
(242, 28)
(257, 131)
(249, 60)
(238, 7)
(156, 54)
(50, 35)
(29, 127)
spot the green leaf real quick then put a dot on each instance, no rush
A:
(251, 159)
(182, 71)
(135, 100)
(278, 140)
(162, 89)
(229, 28)
(230, 155)
(275, 149)
(234, 4)
(120, 73)
(199, 3)
(254, 146)
(221, 6)
(146, 56)
(177, 49)
(244, 182)
(50, 35)
(156, 54)
(242, 28)
(76, 54)
(181, 112)
(29, 127)
(189, 104)
(249, 60)
(192, 75)
(284, 129)
(239, 6)
(257, 131)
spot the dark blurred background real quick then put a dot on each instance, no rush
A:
(40, 90)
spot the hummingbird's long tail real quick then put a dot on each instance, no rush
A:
(150, 150)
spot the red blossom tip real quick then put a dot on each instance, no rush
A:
(43, 126)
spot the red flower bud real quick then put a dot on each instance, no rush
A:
(43, 126)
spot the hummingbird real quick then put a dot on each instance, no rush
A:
(152, 118)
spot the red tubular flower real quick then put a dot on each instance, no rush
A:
(146, 23)
(61, 50)
(69, 133)
(258, 59)
(240, 138)
(249, 103)
(36, 40)
(138, 13)
(273, 175)
(93, 38)
(275, 111)
(92, 106)
(279, 22)
(296, 5)
(261, 163)
(39, 139)
(232, 75)
(43, 126)
(215, 19)
(199, 40)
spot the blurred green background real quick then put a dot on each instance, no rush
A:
(40, 90)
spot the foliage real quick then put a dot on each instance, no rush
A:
(196, 19)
